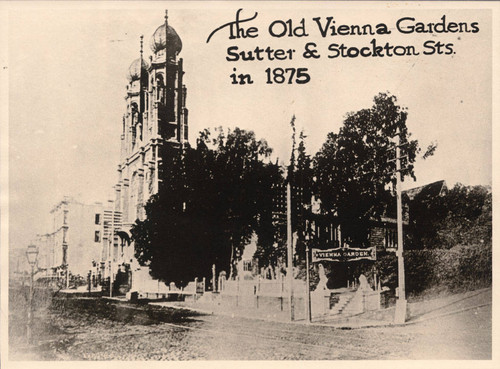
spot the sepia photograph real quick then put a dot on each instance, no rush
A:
(214, 181)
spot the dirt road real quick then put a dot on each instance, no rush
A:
(457, 329)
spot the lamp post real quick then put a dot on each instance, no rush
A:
(32, 256)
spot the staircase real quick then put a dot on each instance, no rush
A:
(355, 305)
(344, 301)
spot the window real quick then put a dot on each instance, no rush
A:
(97, 236)
(98, 219)
(247, 265)
(391, 239)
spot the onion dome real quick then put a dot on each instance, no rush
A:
(171, 41)
(134, 71)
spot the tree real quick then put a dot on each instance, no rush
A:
(354, 170)
(271, 247)
(461, 216)
(303, 183)
(207, 208)
(272, 235)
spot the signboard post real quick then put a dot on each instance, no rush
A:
(308, 289)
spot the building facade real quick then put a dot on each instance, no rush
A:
(75, 238)
(155, 123)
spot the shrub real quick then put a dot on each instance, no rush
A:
(457, 269)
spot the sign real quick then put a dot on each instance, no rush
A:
(343, 254)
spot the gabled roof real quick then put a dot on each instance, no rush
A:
(434, 189)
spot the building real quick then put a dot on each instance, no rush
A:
(18, 266)
(76, 237)
(430, 190)
(320, 229)
(155, 123)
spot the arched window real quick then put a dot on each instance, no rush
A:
(135, 118)
(133, 198)
(160, 84)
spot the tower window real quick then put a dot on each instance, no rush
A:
(97, 236)
(98, 219)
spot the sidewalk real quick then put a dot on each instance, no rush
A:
(417, 311)
(216, 307)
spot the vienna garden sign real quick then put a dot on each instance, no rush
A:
(343, 254)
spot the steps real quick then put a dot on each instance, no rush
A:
(344, 301)
(355, 305)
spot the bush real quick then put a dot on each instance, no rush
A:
(387, 269)
(458, 269)
(463, 216)
(420, 270)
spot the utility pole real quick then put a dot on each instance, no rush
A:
(400, 316)
(111, 247)
(308, 289)
(289, 243)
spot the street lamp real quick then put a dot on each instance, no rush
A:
(32, 256)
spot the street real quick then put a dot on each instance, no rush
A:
(108, 331)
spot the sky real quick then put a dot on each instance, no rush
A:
(67, 67)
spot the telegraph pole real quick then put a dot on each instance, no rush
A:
(308, 289)
(289, 244)
(400, 316)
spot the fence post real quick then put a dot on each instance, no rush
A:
(281, 297)
(214, 279)
(237, 289)
(195, 288)
(89, 281)
(258, 291)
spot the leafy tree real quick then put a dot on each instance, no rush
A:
(270, 246)
(462, 216)
(353, 168)
(272, 239)
(302, 182)
(239, 177)
(207, 208)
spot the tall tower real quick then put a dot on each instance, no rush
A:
(154, 124)
(166, 75)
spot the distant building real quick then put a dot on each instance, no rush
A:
(247, 266)
(434, 189)
(77, 237)
(326, 230)
(18, 264)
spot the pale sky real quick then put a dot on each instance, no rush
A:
(67, 75)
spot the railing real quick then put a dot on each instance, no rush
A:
(262, 287)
